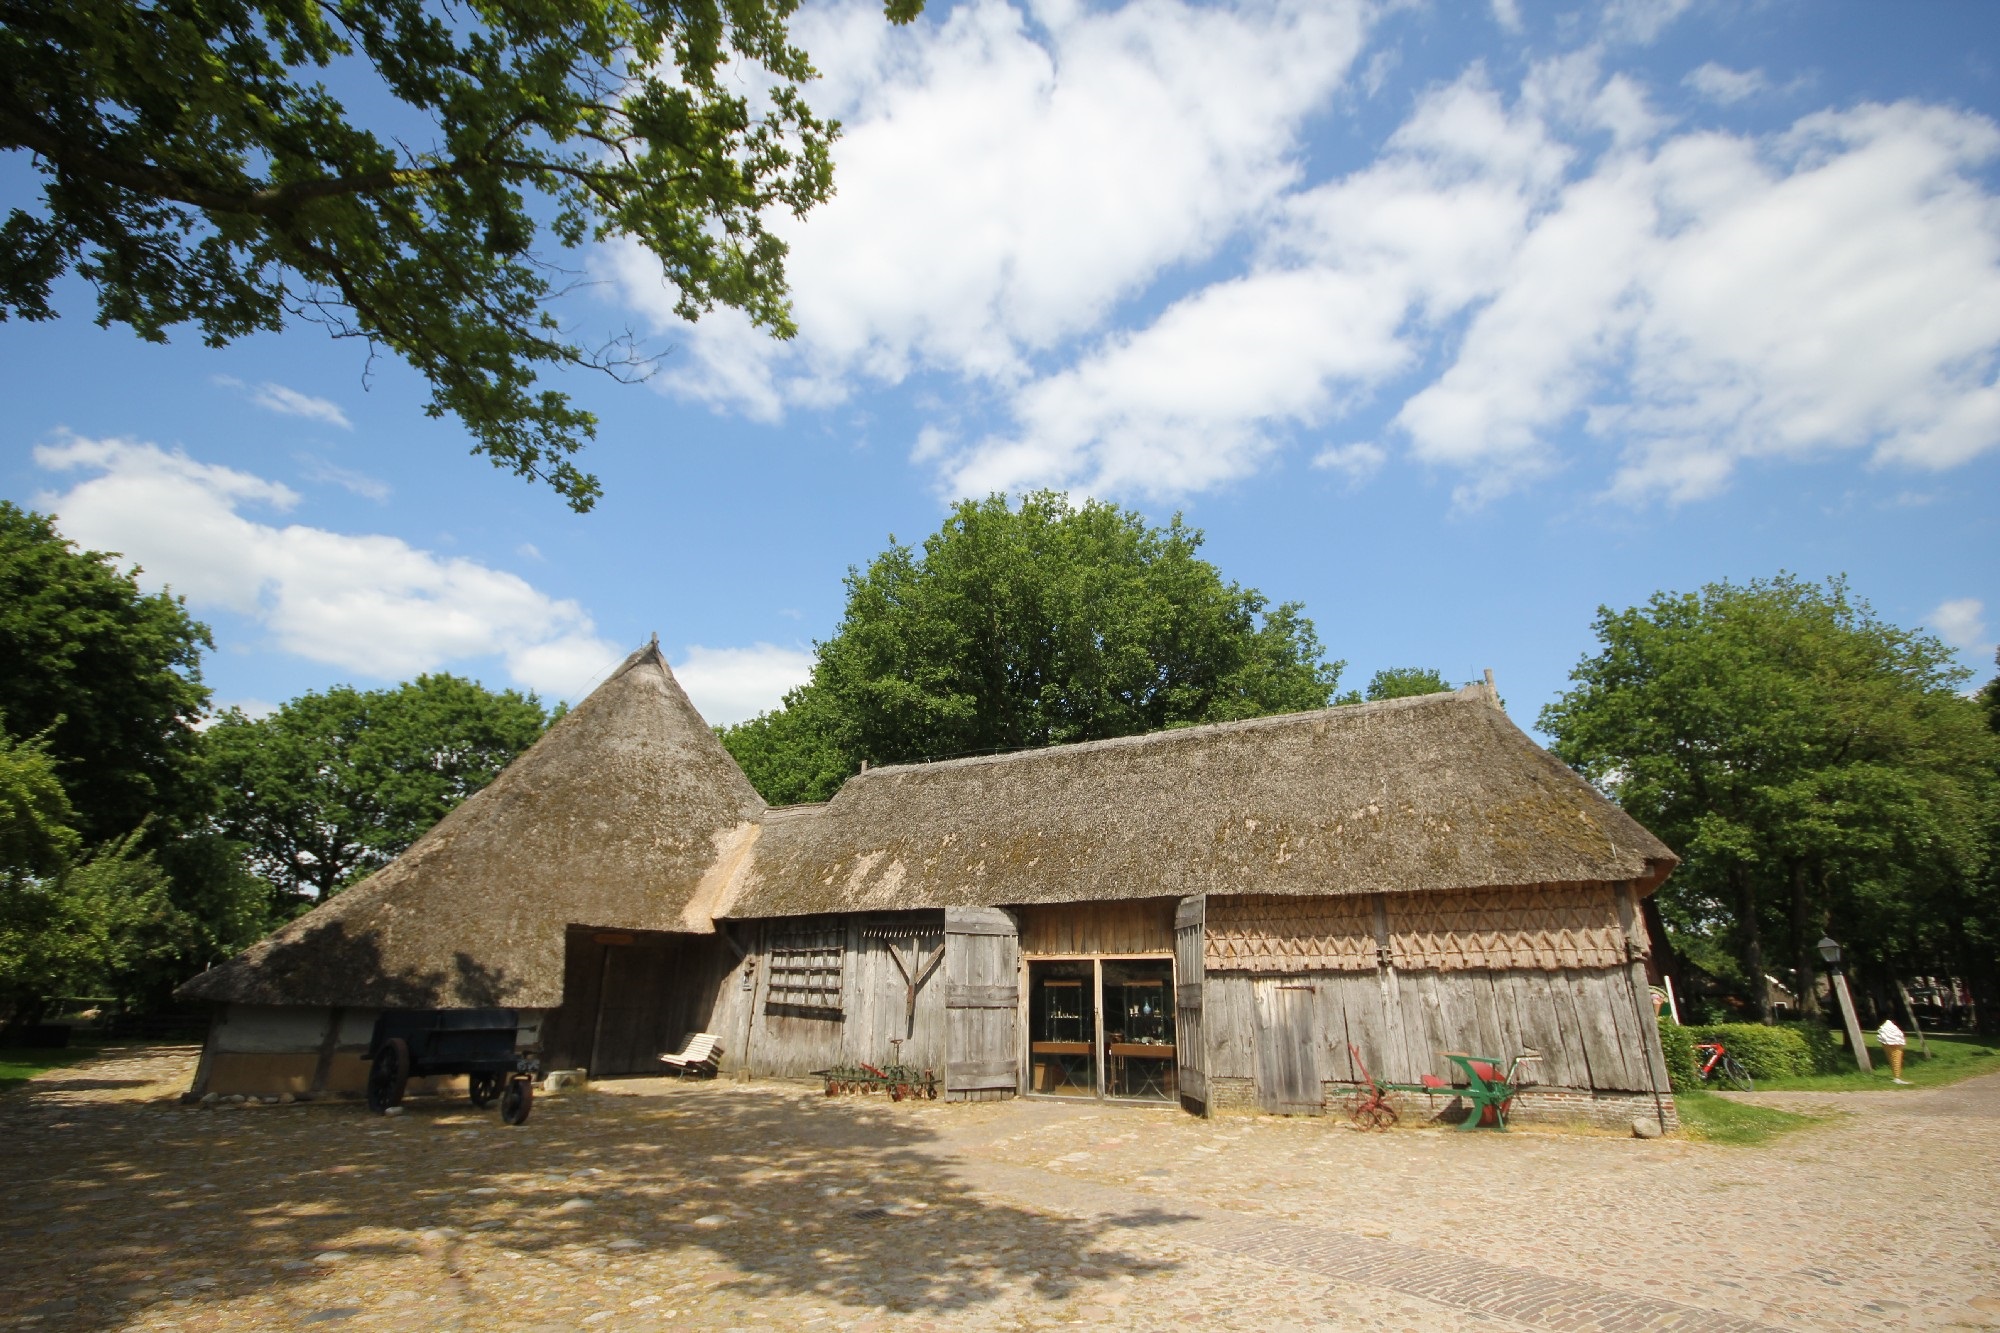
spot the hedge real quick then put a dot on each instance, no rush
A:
(1785, 1050)
(1677, 1044)
(1827, 1052)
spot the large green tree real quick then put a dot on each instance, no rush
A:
(1406, 682)
(197, 168)
(107, 675)
(333, 785)
(71, 922)
(1816, 767)
(1027, 625)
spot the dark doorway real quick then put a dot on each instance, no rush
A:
(628, 996)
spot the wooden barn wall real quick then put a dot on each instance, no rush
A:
(1145, 925)
(1583, 1021)
(787, 1042)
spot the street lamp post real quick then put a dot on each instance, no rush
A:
(1830, 951)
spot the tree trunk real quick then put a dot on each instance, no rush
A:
(1665, 962)
(1753, 943)
(1805, 945)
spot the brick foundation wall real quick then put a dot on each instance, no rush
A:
(1534, 1106)
(1232, 1094)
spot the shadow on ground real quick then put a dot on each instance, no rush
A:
(115, 1211)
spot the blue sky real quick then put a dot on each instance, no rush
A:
(1452, 322)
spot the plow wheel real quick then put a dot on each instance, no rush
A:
(1385, 1116)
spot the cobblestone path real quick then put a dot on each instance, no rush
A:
(649, 1204)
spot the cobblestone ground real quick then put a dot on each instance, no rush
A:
(649, 1204)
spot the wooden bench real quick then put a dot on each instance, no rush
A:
(698, 1055)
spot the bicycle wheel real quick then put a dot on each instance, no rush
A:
(1732, 1069)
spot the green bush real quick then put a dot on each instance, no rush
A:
(1767, 1052)
(1824, 1051)
(1677, 1044)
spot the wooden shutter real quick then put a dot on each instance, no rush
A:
(982, 1002)
(1190, 1049)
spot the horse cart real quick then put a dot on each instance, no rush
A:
(497, 1052)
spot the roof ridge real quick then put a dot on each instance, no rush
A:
(1475, 692)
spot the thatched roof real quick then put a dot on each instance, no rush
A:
(1431, 793)
(628, 813)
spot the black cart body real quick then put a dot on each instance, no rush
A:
(498, 1052)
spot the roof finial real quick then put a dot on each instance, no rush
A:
(655, 647)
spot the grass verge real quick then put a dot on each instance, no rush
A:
(1953, 1057)
(1711, 1119)
(18, 1064)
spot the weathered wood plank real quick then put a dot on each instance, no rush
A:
(1544, 1028)
(1229, 1015)
(961, 996)
(1288, 1073)
(1144, 926)
(982, 961)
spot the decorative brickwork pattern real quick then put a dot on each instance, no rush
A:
(1542, 926)
(1272, 934)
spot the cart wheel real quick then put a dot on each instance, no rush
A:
(518, 1100)
(484, 1088)
(1385, 1116)
(389, 1075)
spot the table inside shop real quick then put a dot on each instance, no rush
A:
(1140, 1069)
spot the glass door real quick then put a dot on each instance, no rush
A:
(1139, 1028)
(1062, 1028)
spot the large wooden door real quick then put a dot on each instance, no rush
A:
(1288, 1076)
(982, 999)
(1190, 1051)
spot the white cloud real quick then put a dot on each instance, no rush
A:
(1552, 277)
(274, 397)
(1357, 462)
(1960, 622)
(1355, 275)
(359, 483)
(1724, 297)
(1723, 85)
(370, 604)
(730, 685)
(1641, 21)
(1006, 182)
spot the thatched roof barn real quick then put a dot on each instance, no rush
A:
(1432, 793)
(625, 866)
(628, 812)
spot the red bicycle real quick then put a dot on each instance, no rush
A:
(1717, 1061)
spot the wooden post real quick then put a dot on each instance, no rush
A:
(1853, 1023)
(1923, 1043)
